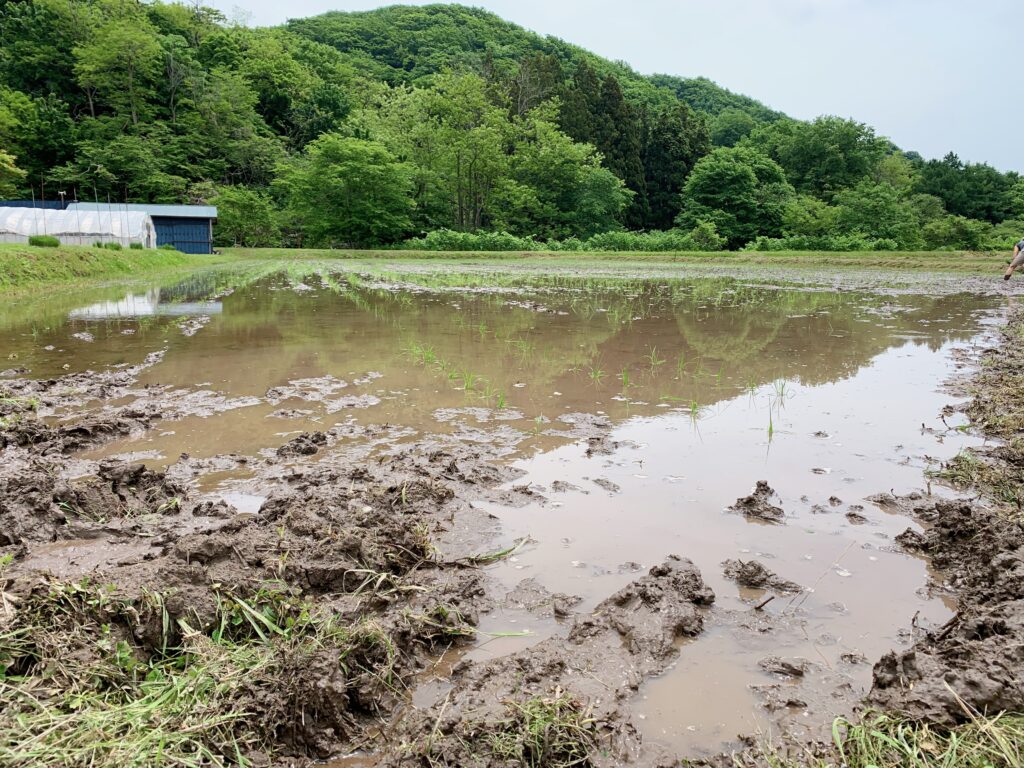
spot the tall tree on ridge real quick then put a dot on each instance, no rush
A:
(617, 137)
(676, 139)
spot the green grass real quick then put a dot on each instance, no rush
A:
(934, 261)
(191, 699)
(879, 740)
(886, 741)
(24, 267)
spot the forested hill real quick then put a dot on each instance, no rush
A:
(407, 44)
(446, 126)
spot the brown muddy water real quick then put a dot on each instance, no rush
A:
(638, 409)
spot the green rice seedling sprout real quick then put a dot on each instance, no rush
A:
(499, 401)
(653, 359)
(596, 375)
(624, 376)
(469, 380)
(681, 363)
(694, 411)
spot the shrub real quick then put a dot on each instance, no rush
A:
(703, 237)
(450, 240)
(850, 242)
(166, 247)
(112, 246)
(135, 246)
(43, 241)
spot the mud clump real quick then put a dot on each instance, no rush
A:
(37, 505)
(758, 506)
(306, 444)
(603, 660)
(752, 574)
(979, 653)
(776, 666)
(309, 618)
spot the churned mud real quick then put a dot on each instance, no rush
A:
(407, 520)
(975, 662)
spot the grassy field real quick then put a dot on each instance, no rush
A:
(23, 267)
(934, 261)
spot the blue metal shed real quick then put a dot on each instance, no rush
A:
(189, 228)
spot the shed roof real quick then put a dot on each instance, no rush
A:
(175, 211)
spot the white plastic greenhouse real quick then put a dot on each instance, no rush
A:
(77, 227)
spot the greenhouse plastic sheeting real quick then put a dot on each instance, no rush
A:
(77, 227)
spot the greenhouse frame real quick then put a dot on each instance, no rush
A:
(78, 227)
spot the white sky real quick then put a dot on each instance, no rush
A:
(932, 75)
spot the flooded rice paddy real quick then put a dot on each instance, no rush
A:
(637, 410)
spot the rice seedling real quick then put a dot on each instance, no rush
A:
(653, 359)
(596, 375)
(694, 409)
(499, 401)
(624, 377)
(681, 363)
(469, 380)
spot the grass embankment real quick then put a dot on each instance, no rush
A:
(932, 261)
(25, 267)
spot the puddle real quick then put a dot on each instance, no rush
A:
(639, 408)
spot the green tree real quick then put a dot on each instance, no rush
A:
(347, 191)
(976, 191)
(10, 175)
(824, 156)
(730, 126)
(617, 138)
(741, 191)
(676, 140)
(955, 232)
(557, 187)
(807, 215)
(119, 64)
(578, 115)
(245, 217)
(879, 212)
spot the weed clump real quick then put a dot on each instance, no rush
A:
(43, 241)
(90, 677)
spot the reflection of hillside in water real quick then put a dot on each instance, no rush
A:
(704, 340)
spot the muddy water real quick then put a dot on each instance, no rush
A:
(693, 388)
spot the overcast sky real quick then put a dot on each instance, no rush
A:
(932, 75)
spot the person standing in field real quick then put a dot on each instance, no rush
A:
(1017, 260)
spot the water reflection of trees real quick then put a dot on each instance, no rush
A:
(716, 336)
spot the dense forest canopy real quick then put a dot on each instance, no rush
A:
(445, 126)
